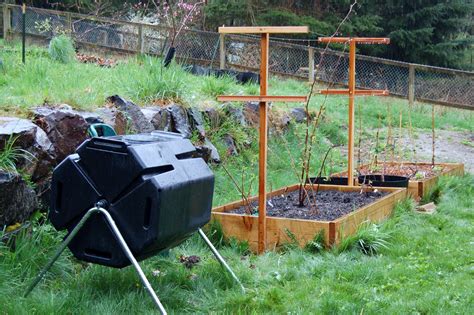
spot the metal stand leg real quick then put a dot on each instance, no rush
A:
(219, 258)
(119, 238)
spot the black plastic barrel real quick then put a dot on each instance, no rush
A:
(328, 180)
(384, 180)
(158, 195)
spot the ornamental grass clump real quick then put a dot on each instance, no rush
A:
(61, 48)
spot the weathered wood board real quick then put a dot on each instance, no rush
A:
(245, 227)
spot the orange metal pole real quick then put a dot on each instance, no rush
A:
(262, 165)
(350, 145)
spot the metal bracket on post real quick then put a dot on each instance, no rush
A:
(119, 238)
(127, 251)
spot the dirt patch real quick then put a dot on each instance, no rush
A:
(101, 62)
(330, 204)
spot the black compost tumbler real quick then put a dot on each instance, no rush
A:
(156, 191)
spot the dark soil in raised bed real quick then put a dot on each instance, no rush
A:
(330, 204)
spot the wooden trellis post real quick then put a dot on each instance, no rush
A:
(263, 98)
(351, 91)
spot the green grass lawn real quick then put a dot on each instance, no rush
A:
(426, 268)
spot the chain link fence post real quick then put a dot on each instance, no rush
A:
(310, 64)
(6, 22)
(140, 39)
(411, 84)
(221, 51)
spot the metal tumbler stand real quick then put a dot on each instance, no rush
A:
(127, 252)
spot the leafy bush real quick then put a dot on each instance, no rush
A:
(61, 48)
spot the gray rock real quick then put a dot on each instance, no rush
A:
(197, 121)
(179, 120)
(236, 113)
(230, 144)
(138, 121)
(32, 139)
(65, 129)
(115, 118)
(213, 116)
(208, 152)
(150, 112)
(91, 118)
(204, 152)
(17, 200)
(251, 113)
(298, 114)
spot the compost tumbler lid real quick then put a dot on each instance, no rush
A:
(154, 136)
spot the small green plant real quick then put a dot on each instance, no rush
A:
(369, 240)
(216, 234)
(61, 48)
(292, 242)
(419, 176)
(465, 141)
(10, 155)
(433, 195)
(316, 245)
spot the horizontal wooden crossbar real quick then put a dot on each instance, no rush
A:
(257, 98)
(357, 92)
(263, 29)
(359, 40)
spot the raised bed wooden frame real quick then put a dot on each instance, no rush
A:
(419, 188)
(245, 227)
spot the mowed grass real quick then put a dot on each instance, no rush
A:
(427, 268)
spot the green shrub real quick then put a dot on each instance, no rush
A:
(61, 48)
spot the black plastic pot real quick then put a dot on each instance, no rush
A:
(169, 56)
(328, 180)
(388, 180)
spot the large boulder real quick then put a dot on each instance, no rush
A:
(32, 139)
(138, 121)
(65, 128)
(17, 199)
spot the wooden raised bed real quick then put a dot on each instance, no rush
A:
(417, 188)
(245, 227)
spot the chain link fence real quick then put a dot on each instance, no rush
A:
(443, 86)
